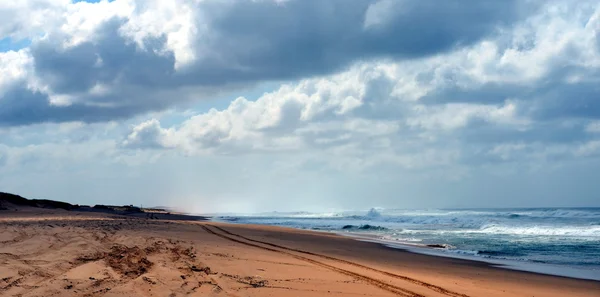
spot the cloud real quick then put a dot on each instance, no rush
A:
(367, 99)
(591, 148)
(298, 38)
(529, 95)
(112, 60)
(326, 116)
(593, 127)
(23, 19)
(106, 79)
(148, 135)
(13, 68)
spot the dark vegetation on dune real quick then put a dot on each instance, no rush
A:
(13, 202)
(17, 200)
(21, 201)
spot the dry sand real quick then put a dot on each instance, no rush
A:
(66, 253)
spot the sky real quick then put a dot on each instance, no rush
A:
(312, 105)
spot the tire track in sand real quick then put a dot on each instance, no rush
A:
(375, 282)
(393, 275)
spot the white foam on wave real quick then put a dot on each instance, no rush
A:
(584, 232)
(456, 218)
(394, 237)
(576, 231)
(519, 222)
(315, 215)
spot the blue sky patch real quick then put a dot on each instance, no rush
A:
(8, 44)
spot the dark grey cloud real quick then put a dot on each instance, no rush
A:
(134, 80)
(110, 59)
(568, 100)
(304, 38)
(21, 106)
(246, 42)
(552, 97)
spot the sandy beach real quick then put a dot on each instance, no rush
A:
(68, 253)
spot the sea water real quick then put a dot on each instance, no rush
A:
(563, 241)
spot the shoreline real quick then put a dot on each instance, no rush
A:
(68, 253)
(537, 268)
(514, 265)
(424, 264)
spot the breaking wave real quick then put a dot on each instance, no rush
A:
(583, 231)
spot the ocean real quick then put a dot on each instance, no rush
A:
(560, 241)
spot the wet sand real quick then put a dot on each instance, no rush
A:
(68, 253)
